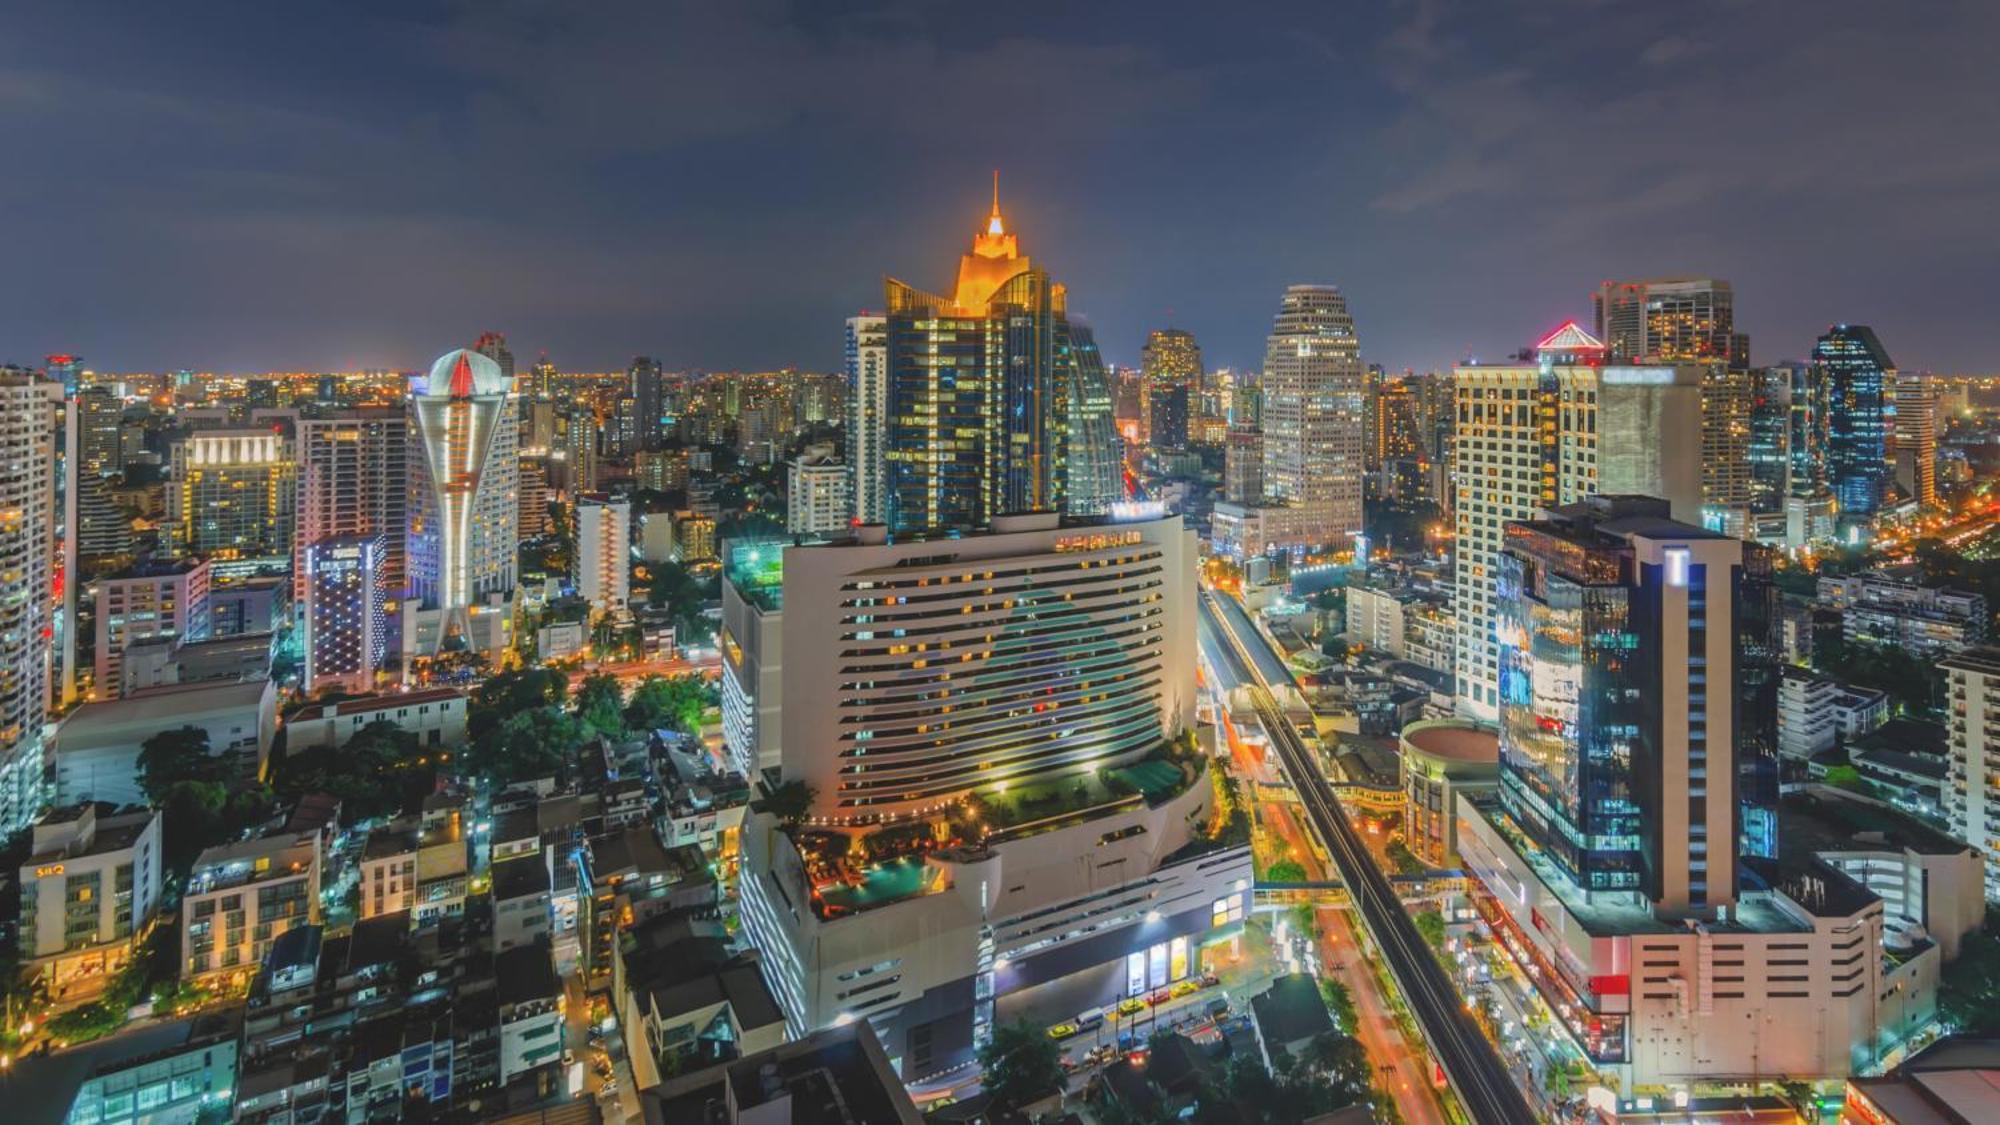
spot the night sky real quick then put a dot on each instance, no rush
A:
(285, 186)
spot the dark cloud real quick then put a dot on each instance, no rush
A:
(253, 186)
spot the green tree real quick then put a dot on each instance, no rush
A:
(1020, 1064)
(498, 697)
(1430, 924)
(676, 704)
(1285, 871)
(1340, 1001)
(540, 742)
(684, 596)
(380, 771)
(790, 802)
(1969, 992)
(600, 705)
(178, 755)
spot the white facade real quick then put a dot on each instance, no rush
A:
(1315, 421)
(752, 639)
(1022, 653)
(97, 745)
(604, 552)
(817, 494)
(1797, 984)
(1630, 430)
(167, 602)
(1375, 619)
(868, 415)
(1972, 789)
(1806, 705)
(241, 897)
(435, 716)
(88, 890)
(28, 520)
(465, 511)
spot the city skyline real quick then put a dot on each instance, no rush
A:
(596, 199)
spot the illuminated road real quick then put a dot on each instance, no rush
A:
(1469, 1061)
(1408, 1077)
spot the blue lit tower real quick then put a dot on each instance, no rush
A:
(1859, 379)
(347, 632)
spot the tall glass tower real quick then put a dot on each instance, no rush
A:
(1315, 420)
(992, 401)
(1859, 379)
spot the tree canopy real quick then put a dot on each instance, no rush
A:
(1020, 1064)
(176, 755)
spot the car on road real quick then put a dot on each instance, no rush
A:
(1184, 988)
(1062, 1031)
(1131, 1006)
(569, 1056)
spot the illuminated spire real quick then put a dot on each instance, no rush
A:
(994, 226)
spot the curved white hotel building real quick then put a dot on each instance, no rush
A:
(1020, 693)
(464, 512)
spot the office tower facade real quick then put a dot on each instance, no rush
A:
(347, 625)
(534, 496)
(604, 552)
(1726, 406)
(28, 519)
(493, 345)
(100, 431)
(1531, 436)
(148, 600)
(1314, 417)
(1916, 437)
(1860, 384)
(575, 461)
(1170, 363)
(817, 498)
(1243, 466)
(1617, 679)
(231, 494)
(867, 357)
(1670, 320)
(1091, 469)
(465, 511)
(1770, 454)
(986, 394)
(648, 386)
(353, 481)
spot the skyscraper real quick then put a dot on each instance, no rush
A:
(28, 520)
(986, 395)
(604, 552)
(465, 513)
(231, 494)
(867, 355)
(649, 399)
(347, 630)
(1243, 466)
(1170, 363)
(1860, 379)
(1617, 675)
(1770, 453)
(817, 498)
(493, 345)
(1533, 436)
(1916, 437)
(1726, 403)
(1314, 419)
(353, 480)
(1670, 320)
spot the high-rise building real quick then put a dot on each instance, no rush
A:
(1670, 320)
(604, 552)
(353, 480)
(1675, 952)
(1770, 453)
(1972, 789)
(533, 490)
(867, 354)
(1091, 469)
(1726, 404)
(575, 457)
(231, 494)
(1916, 437)
(28, 518)
(465, 512)
(1170, 363)
(649, 402)
(347, 627)
(100, 431)
(1860, 380)
(991, 409)
(1243, 466)
(817, 495)
(493, 345)
(1060, 654)
(1314, 421)
(167, 599)
(1536, 435)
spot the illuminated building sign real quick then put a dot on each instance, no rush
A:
(1098, 541)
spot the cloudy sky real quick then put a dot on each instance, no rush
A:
(257, 186)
